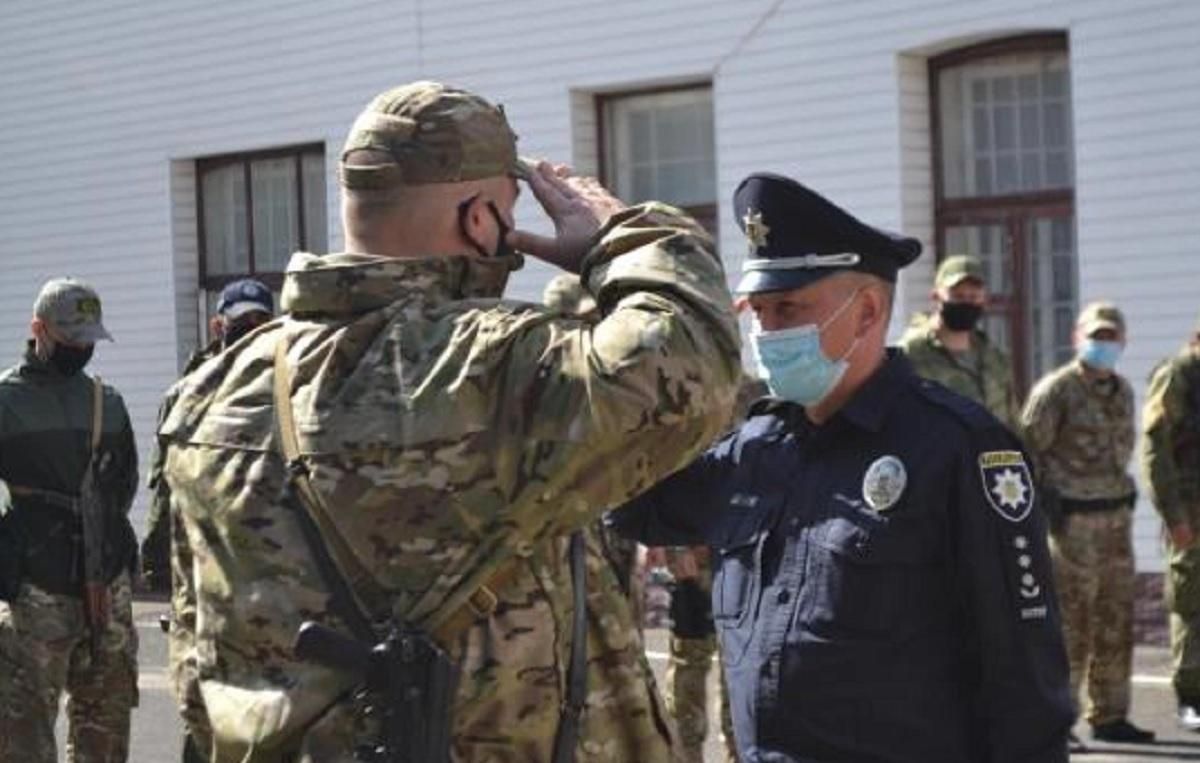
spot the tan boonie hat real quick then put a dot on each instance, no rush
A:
(956, 269)
(73, 308)
(434, 134)
(1100, 315)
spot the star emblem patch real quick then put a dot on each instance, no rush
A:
(756, 230)
(1007, 483)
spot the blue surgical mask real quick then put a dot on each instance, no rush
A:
(793, 363)
(1100, 353)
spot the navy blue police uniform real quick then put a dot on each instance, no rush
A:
(882, 587)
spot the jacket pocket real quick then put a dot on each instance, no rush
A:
(862, 575)
(736, 587)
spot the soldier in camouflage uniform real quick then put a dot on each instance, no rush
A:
(1171, 465)
(948, 347)
(454, 432)
(244, 305)
(1079, 427)
(58, 632)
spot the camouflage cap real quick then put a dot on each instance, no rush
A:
(1100, 315)
(958, 268)
(434, 134)
(73, 308)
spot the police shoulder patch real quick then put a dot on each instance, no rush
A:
(1007, 483)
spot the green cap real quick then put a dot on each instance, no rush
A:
(1100, 315)
(958, 268)
(73, 308)
(433, 133)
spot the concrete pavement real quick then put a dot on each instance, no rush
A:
(157, 728)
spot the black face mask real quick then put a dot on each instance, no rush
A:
(503, 248)
(71, 360)
(239, 329)
(961, 316)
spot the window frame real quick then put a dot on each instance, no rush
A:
(705, 214)
(1012, 211)
(215, 282)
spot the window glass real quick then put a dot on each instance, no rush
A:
(1005, 125)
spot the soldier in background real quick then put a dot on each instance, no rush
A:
(949, 347)
(60, 630)
(462, 439)
(1079, 427)
(1171, 466)
(244, 305)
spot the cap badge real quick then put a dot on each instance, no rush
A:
(756, 230)
(884, 483)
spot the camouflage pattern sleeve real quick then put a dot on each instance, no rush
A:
(1041, 420)
(619, 405)
(1165, 431)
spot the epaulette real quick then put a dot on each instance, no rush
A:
(969, 412)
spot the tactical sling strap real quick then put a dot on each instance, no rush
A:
(362, 603)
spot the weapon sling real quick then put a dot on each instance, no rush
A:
(355, 594)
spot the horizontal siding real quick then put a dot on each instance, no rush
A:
(831, 92)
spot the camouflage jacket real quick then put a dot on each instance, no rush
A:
(1080, 433)
(1171, 448)
(446, 426)
(991, 386)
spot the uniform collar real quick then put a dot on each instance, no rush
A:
(348, 283)
(33, 367)
(870, 406)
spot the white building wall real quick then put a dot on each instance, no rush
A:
(106, 104)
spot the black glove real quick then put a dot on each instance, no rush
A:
(691, 611)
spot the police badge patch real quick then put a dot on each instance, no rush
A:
(884, 483)
(1007, 483)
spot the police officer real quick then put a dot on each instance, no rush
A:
(405, 419)
(1079, 426)
(243, 306)
(949, 347)
(62, 631)
(883, 588)
(1171, 465)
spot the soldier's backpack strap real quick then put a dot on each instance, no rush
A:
(97, 414)
(356, 597)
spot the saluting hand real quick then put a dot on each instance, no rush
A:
(579, 206)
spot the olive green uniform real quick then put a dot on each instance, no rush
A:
(1171, 466)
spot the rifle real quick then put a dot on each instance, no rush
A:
(407, 683)
(96, 597)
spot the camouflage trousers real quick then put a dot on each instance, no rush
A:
(45, 648)
(1183, 602)
(687, 697)
(1093, 570)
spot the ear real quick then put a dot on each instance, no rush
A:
(475, 218)
(216, 327)
(872, 312)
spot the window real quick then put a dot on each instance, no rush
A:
(658, 145)
(255, 210)
(1004, 186)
